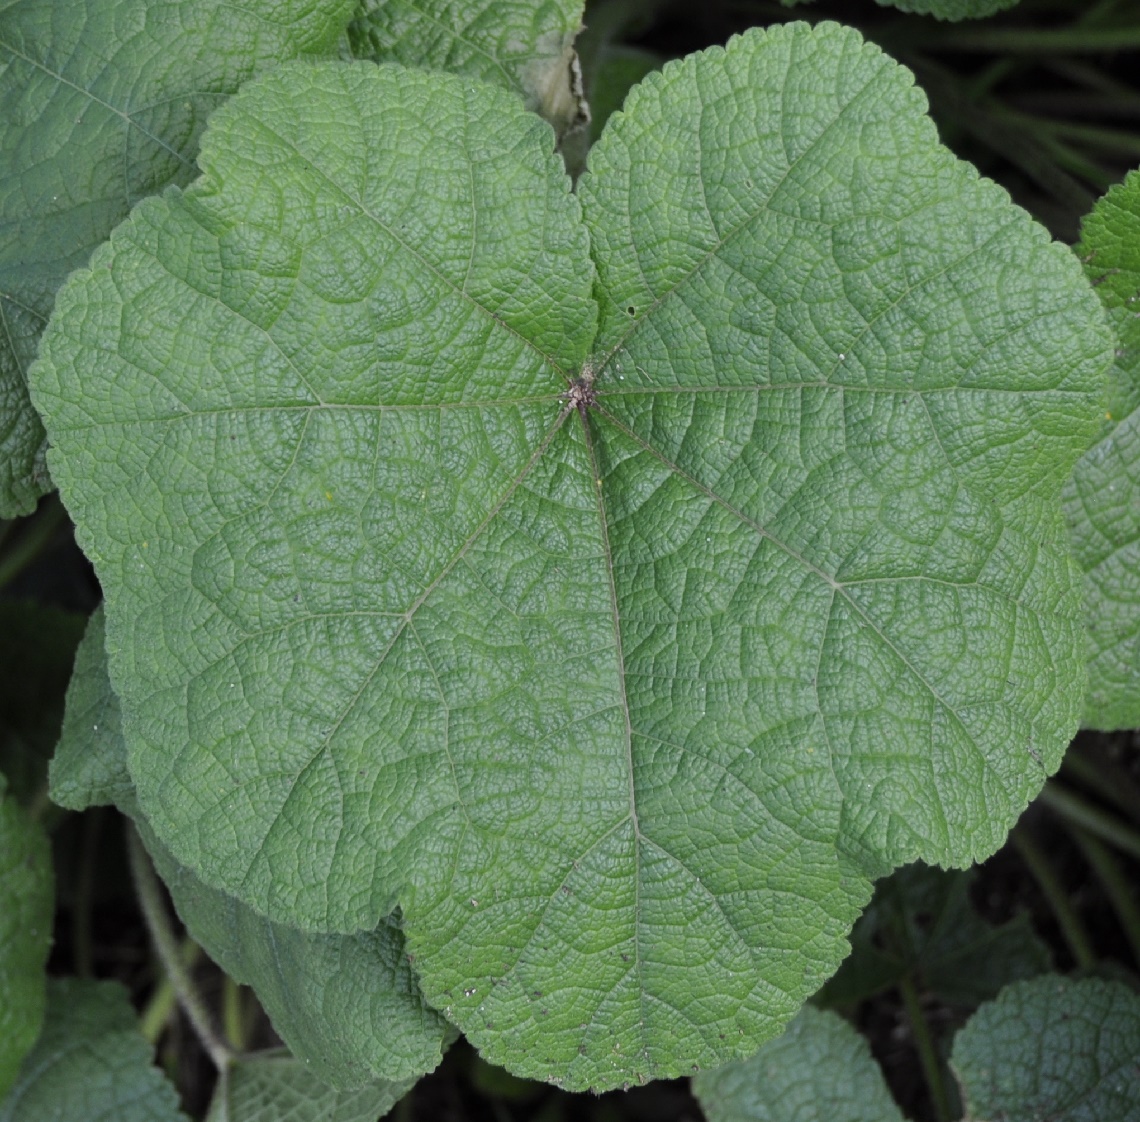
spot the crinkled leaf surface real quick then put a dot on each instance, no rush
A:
(37, 649)
(620, 690)
(921, 925)
(1053, 1048)
(950, 9)
(26, 904)
(820, 1070)
(522, 45)
(347, 1005)
(1102, 499)
(101, 103)
(279, 1088)
(90, 1062)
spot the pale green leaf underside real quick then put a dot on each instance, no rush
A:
(279, 1088)
(101, 103)
(347, 1005)
(90, 1062)
(26, 905)
(1102, 499)
(522, 45)
(621, 715)
(820, 1070)
(1053, 1048)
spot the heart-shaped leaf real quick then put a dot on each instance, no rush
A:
(619, 625)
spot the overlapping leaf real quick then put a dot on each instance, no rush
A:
(101, 103)
(26, 902)
(1102, 500)
(615, 626)
(1053, 1048)
(91, 1062)
(820, 1070)
(347, 1005)
(522, 45)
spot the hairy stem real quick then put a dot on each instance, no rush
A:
(166, 946)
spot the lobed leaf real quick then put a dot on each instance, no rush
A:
(102, 103)
(90, 1062)
(618, 652)
(347, 1005)
(1053, 1048)
(26, 903)
(1102, 499)
(819, 1070)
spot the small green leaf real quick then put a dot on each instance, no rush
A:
(101, 103)
(820, 1070)
(348, 1005)
(89, 767)
(1053, 1048)
(620, 657)
(1102, 500)
(37, 649)
(921, 925)
(26, 904)
(90, 1063)
(950, 9)
(521, 45)
(272, 1087)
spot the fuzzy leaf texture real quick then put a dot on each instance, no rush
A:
(1053, 1048)
(620, 691)
(90, 1062)
(347, 1005)
(101, 103)
(275, 1087)
(27, 900)
(1102, 499)
(522, 45)
(820, 1070)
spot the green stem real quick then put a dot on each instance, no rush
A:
(1070, 923)
(233, 1014)
(162, 1002)
(1073, 809)
(1028, 40)
(27, 546)
(166, 946)
(82, 941)
(927, 1053)
(1095, 136)
(1117, 886)
(1110, 781)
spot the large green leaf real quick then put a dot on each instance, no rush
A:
(347, 1005)
(101, 103)
(1102, 500)
(522, 45)
(272, 1087)
(1053, 1048)
(90, 1062)
(820, 1070)
(619, 654)
(26, 904)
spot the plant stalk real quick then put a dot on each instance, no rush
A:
(1073, 809)
(166, 946)
(1117, 886)
(927, 1053)
(1070, 923)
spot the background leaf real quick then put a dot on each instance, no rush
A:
(1053, 1048)
(26, 904)
(275, 1087)
(921, 925)
(101, 103)
(90, 1062)
(820, 1070)
(622, 706)
(1102, 500)
(522, 45)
